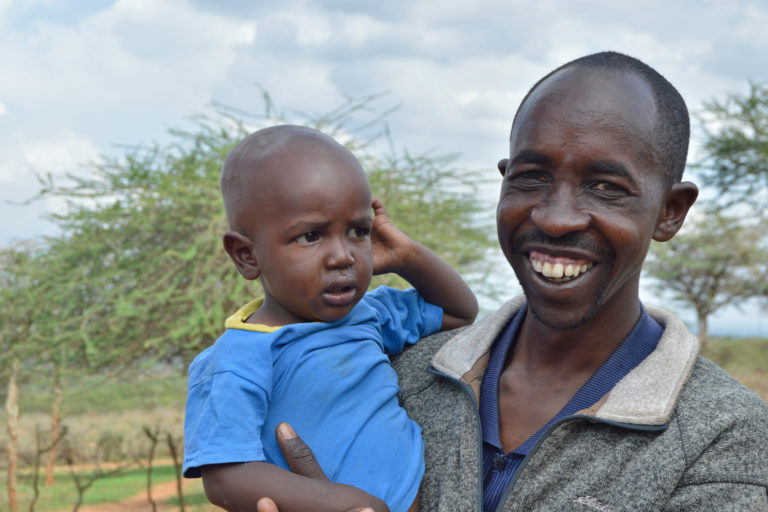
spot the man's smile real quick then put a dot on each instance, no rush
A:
(558, 268)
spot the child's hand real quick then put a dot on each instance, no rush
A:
(392, 248)
(433, 278)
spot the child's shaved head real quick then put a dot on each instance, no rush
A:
(245, 177)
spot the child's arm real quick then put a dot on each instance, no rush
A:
(238, 487)
(433, 278)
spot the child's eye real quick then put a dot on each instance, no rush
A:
(308, 238)
(358, 232)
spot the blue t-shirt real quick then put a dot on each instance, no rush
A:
(331, 381)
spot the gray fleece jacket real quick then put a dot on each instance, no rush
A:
(676, 433)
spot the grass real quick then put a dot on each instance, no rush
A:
(110, 489)
(97, 408)
(744, 358)
(84, 394)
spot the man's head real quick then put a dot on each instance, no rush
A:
(588, 184)
(672, 130)
(299, 208)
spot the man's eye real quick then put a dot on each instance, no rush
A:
(358, 232)
(529, 179)
(607, 187)
(308, 238)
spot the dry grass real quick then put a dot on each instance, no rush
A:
(744, 358)
(101, 434)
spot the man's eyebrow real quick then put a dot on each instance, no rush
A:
(613, 168)
(528, 156)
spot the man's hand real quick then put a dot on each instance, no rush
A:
(267, 505)
(302, 461)
(297, 454)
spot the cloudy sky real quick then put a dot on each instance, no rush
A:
(80, 79)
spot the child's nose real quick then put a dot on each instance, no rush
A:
(339, 254)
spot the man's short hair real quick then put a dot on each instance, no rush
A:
(673, 123)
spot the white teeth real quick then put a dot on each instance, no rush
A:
(558, 271)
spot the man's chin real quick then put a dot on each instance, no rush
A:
(563, 318)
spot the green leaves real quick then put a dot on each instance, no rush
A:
(138, 273)
(715, 262)
(735, 146)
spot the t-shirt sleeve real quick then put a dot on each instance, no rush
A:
(405, 316)
(224, 416)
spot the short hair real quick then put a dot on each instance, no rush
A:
(249, 152)
(673, 122)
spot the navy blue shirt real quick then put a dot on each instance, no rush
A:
(498, 467)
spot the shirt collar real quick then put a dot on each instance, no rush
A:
(638, 344)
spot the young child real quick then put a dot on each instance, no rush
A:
(313, 351)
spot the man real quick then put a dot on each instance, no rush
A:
(576, 397)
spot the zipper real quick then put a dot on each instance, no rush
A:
(558, 423)
(468, 391)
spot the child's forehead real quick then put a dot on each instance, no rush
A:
(302, 163)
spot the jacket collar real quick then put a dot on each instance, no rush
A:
(645, 396)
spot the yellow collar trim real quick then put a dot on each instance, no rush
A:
(237, 321)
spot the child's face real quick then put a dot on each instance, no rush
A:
(311, 235)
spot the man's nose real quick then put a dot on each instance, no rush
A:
(339, 253)
(560, 213)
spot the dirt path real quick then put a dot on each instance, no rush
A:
(160, 493)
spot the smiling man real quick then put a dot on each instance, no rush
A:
(576, 396)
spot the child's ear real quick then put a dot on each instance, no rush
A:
(679, 199)
(240, 250)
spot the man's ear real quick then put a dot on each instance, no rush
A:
(502, 165)
(240, 250)
(679, 199)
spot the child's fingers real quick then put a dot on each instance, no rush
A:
(378, 206)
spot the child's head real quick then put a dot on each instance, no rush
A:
(298, 205)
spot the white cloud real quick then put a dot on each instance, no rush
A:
(137, 62)
(57, 155)
(78, 77)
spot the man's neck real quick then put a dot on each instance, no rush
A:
(545, 351)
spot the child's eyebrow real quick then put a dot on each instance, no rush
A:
(363, 219)
(307, 225)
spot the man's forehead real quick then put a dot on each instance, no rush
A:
(592, 92)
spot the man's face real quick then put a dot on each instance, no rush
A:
(581, 196)
(311, 235)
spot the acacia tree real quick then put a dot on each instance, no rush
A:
(735, 164)
(145, 232)
(17, 306)
(735, 149)
(717, 261)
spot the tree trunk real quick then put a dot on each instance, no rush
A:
(701, 319)
(12, 420)
(55, 424)
(177, 467)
